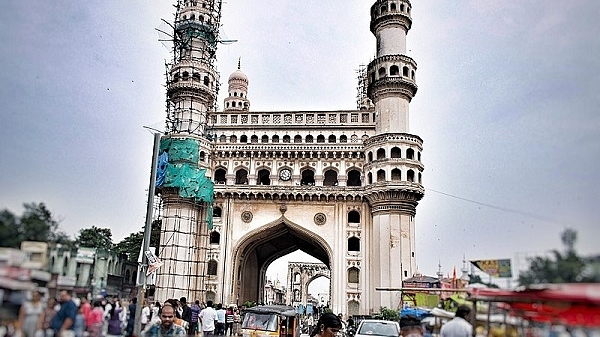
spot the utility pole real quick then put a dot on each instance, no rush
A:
(137, 327)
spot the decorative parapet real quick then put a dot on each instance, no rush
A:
(295, 118)
(394, 137)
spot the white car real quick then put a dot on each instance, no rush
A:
(377, 327)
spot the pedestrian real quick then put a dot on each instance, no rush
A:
(31, 316)
(115, 320)
(195, 308)
(49, 313)
(328, 326)
(208, 318)
(459, 326)
(220, 320)
(165, 326)
(131, 317)
(186, 313)
(229, 321)
(310, 322)
(410, 326)
(86, 309)
(63, 321)
(155, 313)
(95, 320)
(80, 322)
(146, 315)
(236, 321)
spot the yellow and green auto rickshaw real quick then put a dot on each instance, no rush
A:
(270, 321)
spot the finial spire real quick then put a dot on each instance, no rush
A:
(239, 63)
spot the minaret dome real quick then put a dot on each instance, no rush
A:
(237, 99)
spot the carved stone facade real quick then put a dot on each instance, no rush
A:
(342, 186)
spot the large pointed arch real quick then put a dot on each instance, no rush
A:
(256, 250)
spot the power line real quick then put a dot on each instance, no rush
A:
(500, 208)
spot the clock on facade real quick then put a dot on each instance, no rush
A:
(285, 174)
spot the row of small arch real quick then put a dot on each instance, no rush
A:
(330, 177)
(394, 71)
(393, 7)
(395, 152)
(184, 76)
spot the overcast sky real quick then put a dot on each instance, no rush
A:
(507, 107)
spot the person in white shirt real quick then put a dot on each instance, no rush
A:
(208, 317)
(459, 326)
(146, 313)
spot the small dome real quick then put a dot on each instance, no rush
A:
(238, 75)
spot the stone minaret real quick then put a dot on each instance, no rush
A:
(393, 165)
(192, 88)
(237, 100)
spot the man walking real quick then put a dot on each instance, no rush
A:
(166, 326)
(208, 318)
(65, 317)
(186, 313)
(220, 320)
(195, 313)
(459, 326)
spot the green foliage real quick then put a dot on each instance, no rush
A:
(559, 268)
(35, 224)
(249, 304)
(132, 244)
(9, 230)
(387, 314)
(94, 238)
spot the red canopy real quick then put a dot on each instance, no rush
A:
(576, 304)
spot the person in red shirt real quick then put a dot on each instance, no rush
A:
(95, 320)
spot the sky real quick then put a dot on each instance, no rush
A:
(507, 108)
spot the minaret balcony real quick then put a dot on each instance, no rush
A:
(392, 87)
(390, 12)
(390, 20)
(193, 86)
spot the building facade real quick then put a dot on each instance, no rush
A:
(342, 186)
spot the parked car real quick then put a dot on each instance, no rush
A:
(377, 327)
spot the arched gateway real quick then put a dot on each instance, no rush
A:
(342, 186)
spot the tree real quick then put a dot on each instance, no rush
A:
(94, 238)
(387, 314)
(35, 224)
(559, 268)
(9, 230)
(132, 244)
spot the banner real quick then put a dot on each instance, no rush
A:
(495, 268)
(153, 262)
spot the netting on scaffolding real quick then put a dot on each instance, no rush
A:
(363, 102)
(186, 219)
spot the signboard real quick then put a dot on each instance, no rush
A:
(495, 268)
(85, 255)
(153, 262)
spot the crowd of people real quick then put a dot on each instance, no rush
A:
(67, 316)
(78, 317)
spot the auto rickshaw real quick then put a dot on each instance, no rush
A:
(270, 321)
